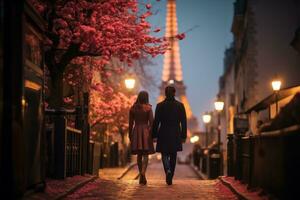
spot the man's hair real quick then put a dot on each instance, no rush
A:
(170, 91)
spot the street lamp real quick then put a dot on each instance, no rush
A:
(206, 119)
(219, 106)
(171, 81)
(194, 139)
(129, 83)
(276, 85)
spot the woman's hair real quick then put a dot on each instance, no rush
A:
(143, 98)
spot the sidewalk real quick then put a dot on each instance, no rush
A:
(58, 189)
(198, 172)
(115, 173)
(242, 191)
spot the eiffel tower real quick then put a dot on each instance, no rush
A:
(172, 69)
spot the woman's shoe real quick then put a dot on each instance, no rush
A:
(145, 180)
(141, 179)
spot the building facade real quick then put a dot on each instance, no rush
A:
(265, 47)
(265, 33)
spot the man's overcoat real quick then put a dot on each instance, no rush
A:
(169, 126)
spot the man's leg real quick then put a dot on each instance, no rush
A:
(173, 158)
(167, 167)
(166, 162)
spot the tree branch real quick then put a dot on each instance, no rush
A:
(71, 53)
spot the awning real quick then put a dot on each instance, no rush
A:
(265, 103)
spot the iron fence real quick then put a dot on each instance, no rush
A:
(64, 145)
(73, 151)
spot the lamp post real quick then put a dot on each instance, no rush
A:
(276, 85)
(206, 119)
(129, 84)
(219, 105)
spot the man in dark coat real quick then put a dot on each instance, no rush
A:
(169, 127)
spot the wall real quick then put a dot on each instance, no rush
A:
(275, 25)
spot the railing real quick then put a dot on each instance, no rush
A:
(230, 158)
(210, 162)
(270, 161)
(246, 159)
(73, 151)
(64, 145)
(49, 134)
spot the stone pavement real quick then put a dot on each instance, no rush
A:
(114, 173)
(186, 185)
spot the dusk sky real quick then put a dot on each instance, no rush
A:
(202, 51)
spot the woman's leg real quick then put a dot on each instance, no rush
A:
(140, 162)
(145, 164)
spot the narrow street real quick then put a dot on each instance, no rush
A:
(186, 185)
(87, 86)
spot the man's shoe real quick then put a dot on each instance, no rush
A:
(169, 178)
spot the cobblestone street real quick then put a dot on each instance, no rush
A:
(186, 185)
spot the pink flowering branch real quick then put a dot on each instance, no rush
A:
(105, 29)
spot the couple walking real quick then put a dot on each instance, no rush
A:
(168, 127)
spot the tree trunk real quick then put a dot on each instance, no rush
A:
(56, 90)
(56, 102)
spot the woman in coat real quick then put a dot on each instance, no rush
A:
(140, 123)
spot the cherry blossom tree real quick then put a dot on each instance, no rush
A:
(83, 37)
(109, 102)
(101, 28)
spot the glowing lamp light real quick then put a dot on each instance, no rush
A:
(206, 118)
(219, 105)
(171, 81)
(129, 83)
(23, 102)
(158, 156)
(206, 151)
(194, 139)
(276, 85)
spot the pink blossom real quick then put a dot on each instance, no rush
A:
(157, 30)
(180, 36)
(148, 6)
